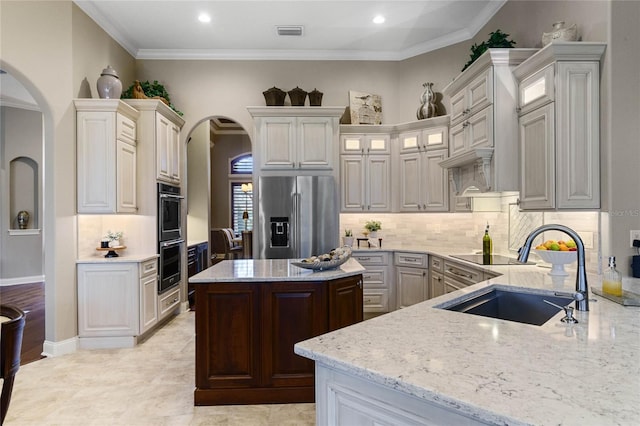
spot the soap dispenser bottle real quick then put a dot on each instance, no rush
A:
(487, 247)
(612, 279)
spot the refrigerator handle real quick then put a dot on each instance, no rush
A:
(296, 224)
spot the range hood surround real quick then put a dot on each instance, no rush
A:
(472, 168)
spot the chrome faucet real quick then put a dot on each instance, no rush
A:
(581, 295)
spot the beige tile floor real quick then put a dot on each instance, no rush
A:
(151, 384)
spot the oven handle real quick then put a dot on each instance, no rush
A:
(172, 243)
(180, 197)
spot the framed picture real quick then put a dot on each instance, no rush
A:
(365, 108)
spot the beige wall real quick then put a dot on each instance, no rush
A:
(43, 49)
(198, 184)
(51, 47)
(21, 171)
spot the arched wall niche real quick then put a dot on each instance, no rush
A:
(24, 178)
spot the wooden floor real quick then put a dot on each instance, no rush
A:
(28, 297)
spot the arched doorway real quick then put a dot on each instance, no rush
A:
(22, 281)
(213, 187)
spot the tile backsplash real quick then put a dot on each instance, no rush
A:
(462, 232)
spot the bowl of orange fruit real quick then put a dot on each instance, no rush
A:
(558, 254)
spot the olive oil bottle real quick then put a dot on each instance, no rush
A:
(487, 247)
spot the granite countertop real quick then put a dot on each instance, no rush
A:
(496, 371)
(120, 259)
(264, 270)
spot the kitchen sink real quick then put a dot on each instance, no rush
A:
(511, 304)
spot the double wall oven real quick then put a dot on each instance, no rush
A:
(170, 241)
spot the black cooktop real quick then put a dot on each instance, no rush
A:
(496, 259)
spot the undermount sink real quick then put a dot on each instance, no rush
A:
(511, 304)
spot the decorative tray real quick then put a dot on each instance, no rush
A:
(628, 298)
(322, 265)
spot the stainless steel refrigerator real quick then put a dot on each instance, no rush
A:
(297, 216)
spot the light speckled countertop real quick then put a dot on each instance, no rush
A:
(120, 259)
(265, 270)
(496, 371)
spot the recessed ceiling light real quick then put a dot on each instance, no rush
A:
(204, 18)
(379, 19)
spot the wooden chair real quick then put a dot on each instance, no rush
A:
(222, 247)
(10, 346)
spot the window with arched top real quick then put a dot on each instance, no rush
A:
(241, 189)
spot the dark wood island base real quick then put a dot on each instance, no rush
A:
(246, 330)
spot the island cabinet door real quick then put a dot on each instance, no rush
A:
(227, 342)
(345, 302)
(291, 312)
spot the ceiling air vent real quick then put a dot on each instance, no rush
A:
(289, 30)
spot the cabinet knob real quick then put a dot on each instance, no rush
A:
(424, 206)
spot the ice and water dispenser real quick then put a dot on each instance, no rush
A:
(279, 231)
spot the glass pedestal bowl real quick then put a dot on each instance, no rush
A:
(557, 259)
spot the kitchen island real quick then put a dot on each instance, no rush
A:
(426, 365)
(250, 313)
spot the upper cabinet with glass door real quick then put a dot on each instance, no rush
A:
(559, 134)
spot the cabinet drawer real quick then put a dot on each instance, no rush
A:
(167, 302)
(378, 258)
(373, 277)
(149, 267)
(463, 274)
(376, 300)
(125, 129)
(412, 259)
(436, 264)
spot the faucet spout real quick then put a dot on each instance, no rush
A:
(582, 290)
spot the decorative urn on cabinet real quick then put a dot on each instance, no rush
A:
(109, 84)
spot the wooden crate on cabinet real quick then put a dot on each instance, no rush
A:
(106, 156)
(559, 133)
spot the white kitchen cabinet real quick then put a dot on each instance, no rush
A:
(148, 295)
(117, 302)
(424, 184)
(365, 173)
(412, 279)
(436, 277)
(168, 150)
(559, 127)
(484, 123)
(106, 156)
(159, 136)
(378, 292)
(293, 138)
(168, 302)
(457, 276)
(343, 398)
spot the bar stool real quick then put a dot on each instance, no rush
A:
(11, 330)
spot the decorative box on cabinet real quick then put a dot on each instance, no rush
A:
(365, 170)
(412, 282)
(424, 184)
(378, 292)
(484, 125)
(106, 156)
(291, 138)
(159, 127)
(117, 302)
(559, 129)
